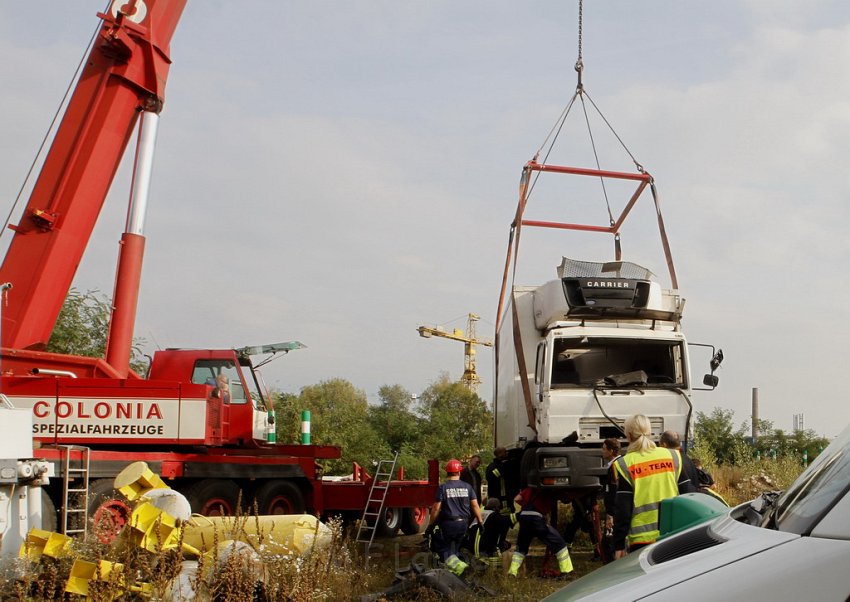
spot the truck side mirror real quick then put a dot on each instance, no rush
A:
(710, 380)
(715, 362)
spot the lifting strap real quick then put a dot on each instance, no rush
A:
(510, 268)
(664, 242)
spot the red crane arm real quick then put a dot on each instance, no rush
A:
(124, 74)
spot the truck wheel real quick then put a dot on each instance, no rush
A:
(414, 520)
(279, 497)
(108, 510)
(213, 497)
(49, 520)
(389, 522)
(527, 465)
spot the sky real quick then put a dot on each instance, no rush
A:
(340, 173)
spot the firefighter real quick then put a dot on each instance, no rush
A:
(454, 507)
(502, 479)
(646, 475)
(537, 505)
(610, 454)
(487, 542)
(671, 440)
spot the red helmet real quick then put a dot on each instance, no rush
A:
(453, 466)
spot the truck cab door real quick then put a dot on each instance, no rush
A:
(540, 371)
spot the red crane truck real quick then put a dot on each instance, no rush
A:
(210, 447)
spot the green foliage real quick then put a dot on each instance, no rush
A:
(339, 416)
(703, 451)
(394, 417)
(450, 422)
(778, 443)
(83, 325)
(287, 417)
(456, 421)
(716, 442)
(714, 432)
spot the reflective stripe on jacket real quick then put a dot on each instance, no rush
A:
(502, 488)
(654, 476)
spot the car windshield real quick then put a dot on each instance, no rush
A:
(815, 491)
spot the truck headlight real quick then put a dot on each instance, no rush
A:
(554, 462)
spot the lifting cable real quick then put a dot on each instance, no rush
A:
(580, 94)
(527, 183)
(50, 128)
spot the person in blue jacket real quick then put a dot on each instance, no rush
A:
(454, 508)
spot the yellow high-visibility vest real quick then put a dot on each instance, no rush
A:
(654, 476)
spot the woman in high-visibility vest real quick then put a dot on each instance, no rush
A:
(646, 475)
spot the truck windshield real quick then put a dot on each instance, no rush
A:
(587, 361)
(206, 371)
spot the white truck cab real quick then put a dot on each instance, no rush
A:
(577, 356)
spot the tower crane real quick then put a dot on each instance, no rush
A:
(470, 377)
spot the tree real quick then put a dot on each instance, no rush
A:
(394, 418)
(397, 423)
(339, 415)
(83, 325)
(797, 443)
(455, 421)
(715, 432)
(287, 417)
(716, 440)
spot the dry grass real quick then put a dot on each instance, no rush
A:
(739, 484)
(335, 573)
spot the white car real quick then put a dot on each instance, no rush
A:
(789, 546)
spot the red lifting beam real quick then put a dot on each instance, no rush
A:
(642, 177)
(643, 180)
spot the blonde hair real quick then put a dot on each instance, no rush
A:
(638, 430)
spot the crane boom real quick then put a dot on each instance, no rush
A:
(125, 74)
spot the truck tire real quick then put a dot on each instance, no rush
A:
(527, 464)
(49, 520)
(279, 497)
(389, 522)
(213, 497)
(108, 510)
(414, 520)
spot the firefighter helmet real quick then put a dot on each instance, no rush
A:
(453, 466)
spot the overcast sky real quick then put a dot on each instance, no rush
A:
(342, 172)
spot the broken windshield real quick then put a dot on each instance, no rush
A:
(816, 490)
(586, 361)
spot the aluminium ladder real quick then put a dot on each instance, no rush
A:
(374, 507)
(75, 488)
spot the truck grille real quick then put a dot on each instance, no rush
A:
(600, 428)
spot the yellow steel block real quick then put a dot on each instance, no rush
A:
(136, 480)
(47, 543)
(278, 534)
(84, 572)
(152, 529)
